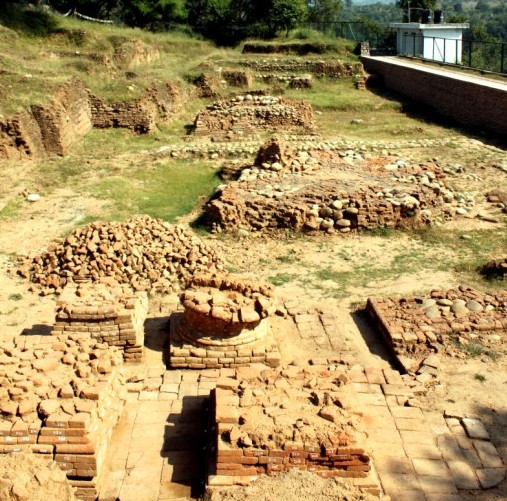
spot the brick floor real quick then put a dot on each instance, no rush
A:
(157, 451)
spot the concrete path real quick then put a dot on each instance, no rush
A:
(444, 71)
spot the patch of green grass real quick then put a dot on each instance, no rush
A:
(480, 377)
(15, 296)
(382, 232)
(283, 278)
(11, 209)
(166, 191)
(288, 258)
(475, 349)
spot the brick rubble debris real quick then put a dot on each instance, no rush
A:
(144, 253)
(33, 477)
(451, 321)
(61, 397)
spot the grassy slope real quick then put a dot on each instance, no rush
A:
(112, 165)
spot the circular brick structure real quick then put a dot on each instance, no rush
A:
(224, 324)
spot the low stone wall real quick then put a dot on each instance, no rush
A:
(332, 67)
(111, 315)
(442, 321)
(268, 421)
(61, 397)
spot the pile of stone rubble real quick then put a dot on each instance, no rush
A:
(145, 253)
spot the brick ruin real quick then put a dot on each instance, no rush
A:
(66, 118)
(144, 253)
(248, 114)
(111, 315)
(50, 128)
(73, 111)
(224, 324)
(443, 321)
(140, 115)
(326, 191)
(272, 420)
(61, 397)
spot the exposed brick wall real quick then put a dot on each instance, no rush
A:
(467, 102)
(66, 118)
(20, 137)
(140, 115)
(73, 111)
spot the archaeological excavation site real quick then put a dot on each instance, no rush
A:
(243, 273)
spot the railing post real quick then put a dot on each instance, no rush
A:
(444, 49)
(470, 53)
(413, 50)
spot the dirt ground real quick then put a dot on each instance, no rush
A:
(30, 477)
(322, 272)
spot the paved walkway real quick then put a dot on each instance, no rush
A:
(422, 456)
(444, 71)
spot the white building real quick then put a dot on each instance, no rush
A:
(436, 42)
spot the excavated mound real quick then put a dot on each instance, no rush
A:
(329, 191)
(248, 114)
(292, 485)
(25, 476)
(145, 253)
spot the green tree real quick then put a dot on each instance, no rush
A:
(321, 11)
(416, 8)
(286, 15)
(153, 14)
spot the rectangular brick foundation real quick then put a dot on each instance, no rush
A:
(242, 455)
(112, 316)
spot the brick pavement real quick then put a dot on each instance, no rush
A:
(157, 450)
(420, 455)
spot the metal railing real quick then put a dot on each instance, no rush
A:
(382, 41)
(487, 56)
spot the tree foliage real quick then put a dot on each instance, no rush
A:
(322, 11)
(416, 8)
(286, 15)
(153, 14)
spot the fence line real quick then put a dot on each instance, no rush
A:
(488, 56)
